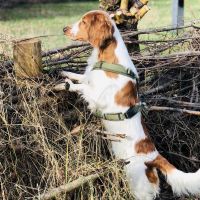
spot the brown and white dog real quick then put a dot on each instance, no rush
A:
(112, 93)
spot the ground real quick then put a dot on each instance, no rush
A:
(41, 19)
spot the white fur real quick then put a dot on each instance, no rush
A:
(122, 53)
(75, 28)
(184, 183)
(99, 91)
(135, 170)
(140, 186)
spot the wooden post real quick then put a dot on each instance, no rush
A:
(178, 13)
(27, 58)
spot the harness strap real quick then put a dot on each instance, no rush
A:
(118, 69)
(132, 111)
(115, 68)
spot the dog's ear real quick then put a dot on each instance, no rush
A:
(101, 31)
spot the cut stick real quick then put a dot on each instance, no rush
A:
(68, 187)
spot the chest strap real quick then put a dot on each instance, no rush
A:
(132, 111)
(118, 69)
(115, 68)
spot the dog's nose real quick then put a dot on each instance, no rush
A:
(67, 28)
(64, 29)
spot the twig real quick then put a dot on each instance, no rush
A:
(161, 41)
(157, 30)
(35, 37)
(6, 64)
(171, 56)
(69, 186)
(110, 134)
(159, 108)
(64, 60)
(193, 90)
(191, 159)
(54, 51)
(111, 138)
(180, 103)
(51, 193)
(157, 89)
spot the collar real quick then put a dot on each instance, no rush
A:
(115, 68)
(132, 111)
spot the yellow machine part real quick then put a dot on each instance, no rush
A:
(144, 1)
(142, 12)
(124, 5)
(136, 12)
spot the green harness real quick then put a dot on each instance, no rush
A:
(119, 69)
(115, 68)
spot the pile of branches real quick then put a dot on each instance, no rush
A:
(49, 139)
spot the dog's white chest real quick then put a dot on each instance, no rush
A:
(133, 131)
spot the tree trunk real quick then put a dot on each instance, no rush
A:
(126, 14)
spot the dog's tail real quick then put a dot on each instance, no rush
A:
(181, 183)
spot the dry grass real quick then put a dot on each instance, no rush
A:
(37, 150)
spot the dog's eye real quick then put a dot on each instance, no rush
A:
(83, 22)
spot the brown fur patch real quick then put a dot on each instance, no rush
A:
(162, 164)
(145, 146)
(94, 27)
(108, 54)
(152, 175)
(127, 96)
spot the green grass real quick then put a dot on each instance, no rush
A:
(161, 13)
(41, 19)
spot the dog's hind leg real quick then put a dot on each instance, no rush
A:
(143, 182)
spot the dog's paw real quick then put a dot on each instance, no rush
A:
(59, 87)
(64, 74)
(67, 80)
(68, 84)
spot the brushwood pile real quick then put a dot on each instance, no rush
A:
(48, 139)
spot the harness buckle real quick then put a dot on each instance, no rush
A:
(126, 115)
(128, 71)
(100, 65)
(121, 116)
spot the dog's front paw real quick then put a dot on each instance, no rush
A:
(59, 87)
(68, 84)
(64, 86)
(65, 74)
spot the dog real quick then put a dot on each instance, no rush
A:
(114, 95)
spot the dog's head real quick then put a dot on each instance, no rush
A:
(94, 27)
